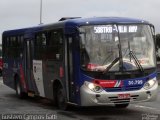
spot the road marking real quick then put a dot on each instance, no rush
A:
(145, 107)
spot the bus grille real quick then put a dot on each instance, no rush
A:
(126, 88)
(119, 101)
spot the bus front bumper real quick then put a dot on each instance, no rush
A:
(90, 98)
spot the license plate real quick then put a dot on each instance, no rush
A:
(123, 96)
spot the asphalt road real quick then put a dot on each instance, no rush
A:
(38, 109)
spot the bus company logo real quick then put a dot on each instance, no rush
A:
(119, 83)
(149, 117)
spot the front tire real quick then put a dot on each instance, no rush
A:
(61, 99)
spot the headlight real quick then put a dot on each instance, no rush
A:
(93, 87)
(150, 83)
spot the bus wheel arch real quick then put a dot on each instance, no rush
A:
(59, 95)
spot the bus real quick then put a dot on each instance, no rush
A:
(95, 61)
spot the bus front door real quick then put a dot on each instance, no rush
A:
(70, 69)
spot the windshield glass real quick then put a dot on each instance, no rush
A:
(104, 46)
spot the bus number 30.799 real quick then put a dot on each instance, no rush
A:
(83, 61)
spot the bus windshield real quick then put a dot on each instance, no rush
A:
(105, 46)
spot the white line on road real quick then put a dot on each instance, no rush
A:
(145, 107)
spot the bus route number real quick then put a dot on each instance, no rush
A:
(103, 29)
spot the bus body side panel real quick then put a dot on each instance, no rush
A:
(54, 70)
(12, 66)
(51, 72)
(16, 66)
(47, 69)
(10, 69)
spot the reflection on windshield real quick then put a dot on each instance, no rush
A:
(100, 47)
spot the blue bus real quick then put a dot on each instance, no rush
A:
(95, 61)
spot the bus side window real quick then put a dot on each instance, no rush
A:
(40, 46)
(55, 45)
(13, 47)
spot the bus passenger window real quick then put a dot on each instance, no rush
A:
(40, 46)
(55, 45)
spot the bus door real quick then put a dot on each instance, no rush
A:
(70, 69)
(28, 63)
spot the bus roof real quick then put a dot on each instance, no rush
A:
(106, 20)
(79, 22)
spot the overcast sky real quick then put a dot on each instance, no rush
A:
(25, 13)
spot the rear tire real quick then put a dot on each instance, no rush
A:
(122, 105)
(61, 99)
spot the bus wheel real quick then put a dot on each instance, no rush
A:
(19, 92)
(121, 105)
(61, 99)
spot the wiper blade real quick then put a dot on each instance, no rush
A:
(136, 61)
(107, 58)
(111, 65)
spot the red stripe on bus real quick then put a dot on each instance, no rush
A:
(22, 78)
(61, 72)
(106, 83)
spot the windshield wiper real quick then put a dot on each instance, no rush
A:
(132, 54)
(107, 58)
(111, 65)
